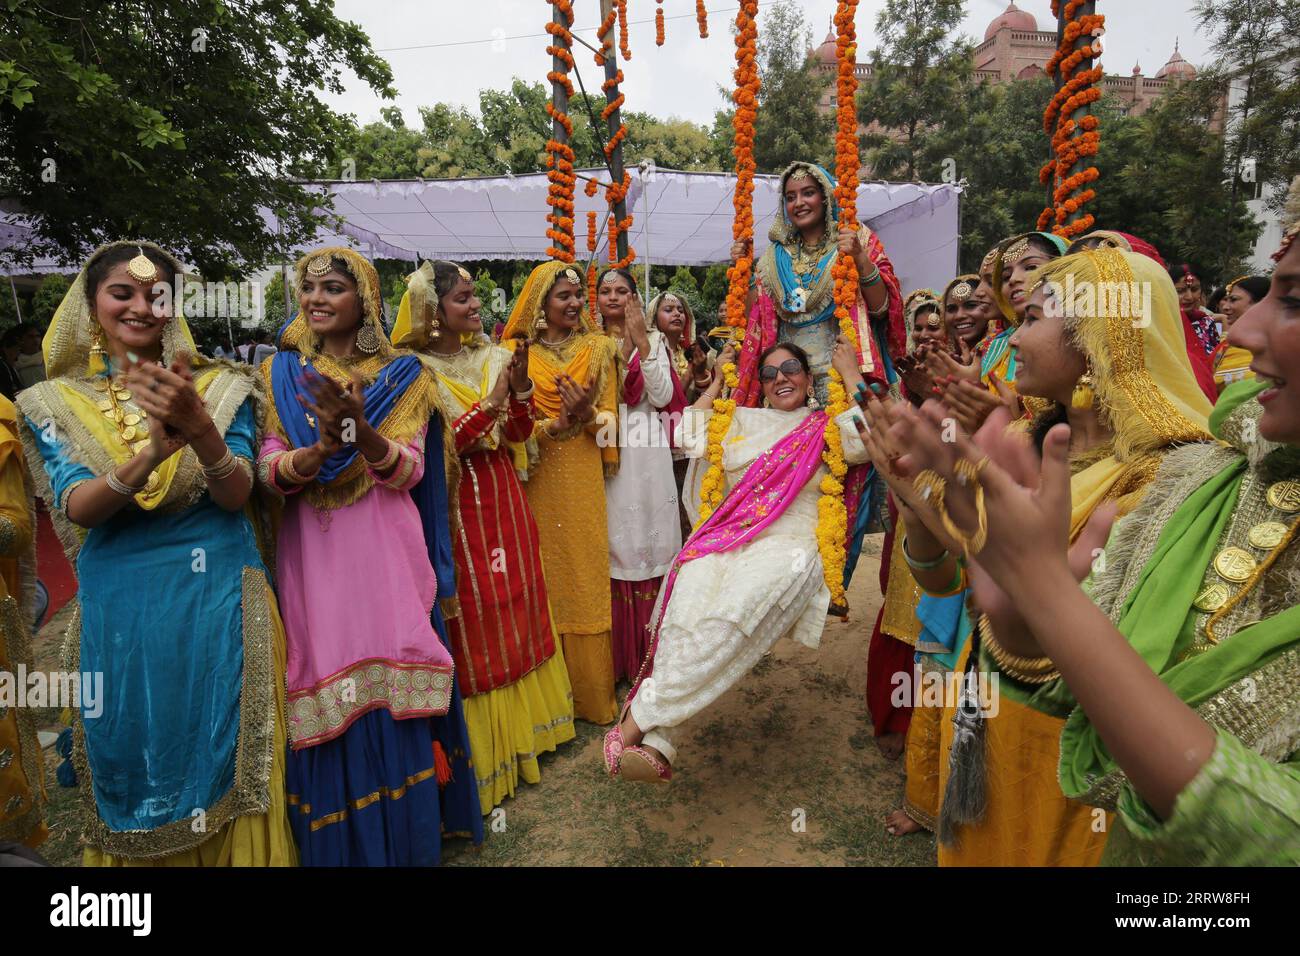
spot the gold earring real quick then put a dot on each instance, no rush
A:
(434, 325)
(97, 340)
(367, 339)
(1083, 396)
(540, 322)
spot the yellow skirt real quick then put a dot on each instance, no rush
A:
(261, 840)
(921, 762)
(510, 726)
(590, 658)
(1028, 821)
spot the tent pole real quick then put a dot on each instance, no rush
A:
(645, 227)
(18, 311)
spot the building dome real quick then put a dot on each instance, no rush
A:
(1176, 68)
(1012, 18)
(826, 52)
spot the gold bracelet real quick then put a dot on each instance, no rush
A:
(386, 463)
(968, 474)
(119, 486)
(1026, 670)
(285, 464)
(223, 468)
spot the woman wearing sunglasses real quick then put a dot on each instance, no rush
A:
(751, 573)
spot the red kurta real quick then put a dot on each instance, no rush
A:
(504, 627)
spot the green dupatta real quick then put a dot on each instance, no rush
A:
(1246, 684)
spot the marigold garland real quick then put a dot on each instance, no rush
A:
(659, 25)
(702, 16)
(623, 48)
(592, 301)
(614, 192)
(1072, 141)
(742, 230)
(591, 229)
(832, 515)
(560, 156)
(602, 34)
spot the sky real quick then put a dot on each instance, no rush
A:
(449, 50)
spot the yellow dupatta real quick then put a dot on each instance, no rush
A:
(69, 400)
(589, 356)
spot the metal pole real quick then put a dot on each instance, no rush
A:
(645, 232)
(615, 121)
(18, 311)
(286, 275)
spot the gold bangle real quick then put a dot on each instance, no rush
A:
(119, 486)
(285, 465)
(223, 468)
(386, 463)
(968, 474)
(1026, 670)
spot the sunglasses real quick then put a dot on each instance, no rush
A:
(789, 368)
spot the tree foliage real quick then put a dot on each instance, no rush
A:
(921, 85)
(789, 125)
(181, 121)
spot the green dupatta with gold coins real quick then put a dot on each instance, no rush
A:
(1222, 632)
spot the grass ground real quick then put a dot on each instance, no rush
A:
(782, 771)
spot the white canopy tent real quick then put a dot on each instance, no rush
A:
(680, 218)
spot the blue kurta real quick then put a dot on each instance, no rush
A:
(162, 620)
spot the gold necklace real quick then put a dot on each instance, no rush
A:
(130, 420)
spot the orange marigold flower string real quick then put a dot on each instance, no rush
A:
(702, 16)
(659, 25)
(560, 156)
(623, 48)
(1071, 141)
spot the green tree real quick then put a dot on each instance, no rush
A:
(920, 85)
(1162, 179)
(181, 120)
(381, 150)
(1259, 55)
(47, 297)
(273, 302)
(789, 124)
(997, 147)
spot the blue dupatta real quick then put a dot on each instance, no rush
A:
(289, 375)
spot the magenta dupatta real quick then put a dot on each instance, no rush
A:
(768, 487)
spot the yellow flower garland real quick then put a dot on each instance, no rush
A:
(832, 515)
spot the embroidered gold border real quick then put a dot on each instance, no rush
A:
(321, 713)
(16, 637)
(249, 794)
(294, 800)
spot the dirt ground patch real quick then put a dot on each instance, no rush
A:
(782, 771)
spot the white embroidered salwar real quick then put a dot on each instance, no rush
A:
(728, 609)
(641, 500)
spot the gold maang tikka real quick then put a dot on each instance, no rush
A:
(319, 266)
(1015, 252)
(142, 269)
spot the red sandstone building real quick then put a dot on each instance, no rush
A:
(1015, 48)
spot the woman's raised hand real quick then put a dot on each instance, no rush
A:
(518, 368)
(168, 394)
(578, 399)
